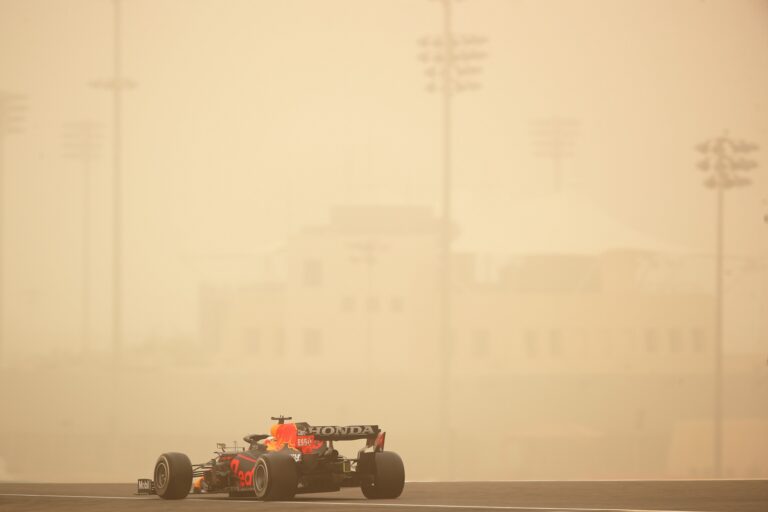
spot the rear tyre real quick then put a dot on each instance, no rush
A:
(388, 477)
(275, 477)
(173, 476)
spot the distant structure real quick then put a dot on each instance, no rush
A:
(116, 84)
(726, 163)
(451, 62)
(554, 139)
(12, 109)
(81, 143)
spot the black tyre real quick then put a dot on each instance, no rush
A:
(275, 477)
(173, 476)
(388, 477)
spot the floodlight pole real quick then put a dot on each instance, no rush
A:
(117, 105)
(717, 406)
(11, 113)
(723, 157)
(449, 66)
(117, 84)
(446, 217)
(80, 140)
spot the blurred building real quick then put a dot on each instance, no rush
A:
(358, 291)
(363, 289)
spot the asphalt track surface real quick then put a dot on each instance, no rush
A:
(693, 496)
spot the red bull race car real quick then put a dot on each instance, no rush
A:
(293, 458)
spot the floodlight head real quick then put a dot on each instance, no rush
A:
(703, 147)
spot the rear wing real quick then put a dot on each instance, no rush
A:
(339, 433)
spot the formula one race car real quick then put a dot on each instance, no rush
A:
(293, 458)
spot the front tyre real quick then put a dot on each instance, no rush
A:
(388, 477)
(275, 477)
(173, 476)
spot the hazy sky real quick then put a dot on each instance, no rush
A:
(252, 118)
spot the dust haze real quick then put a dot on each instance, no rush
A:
(529, 239)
